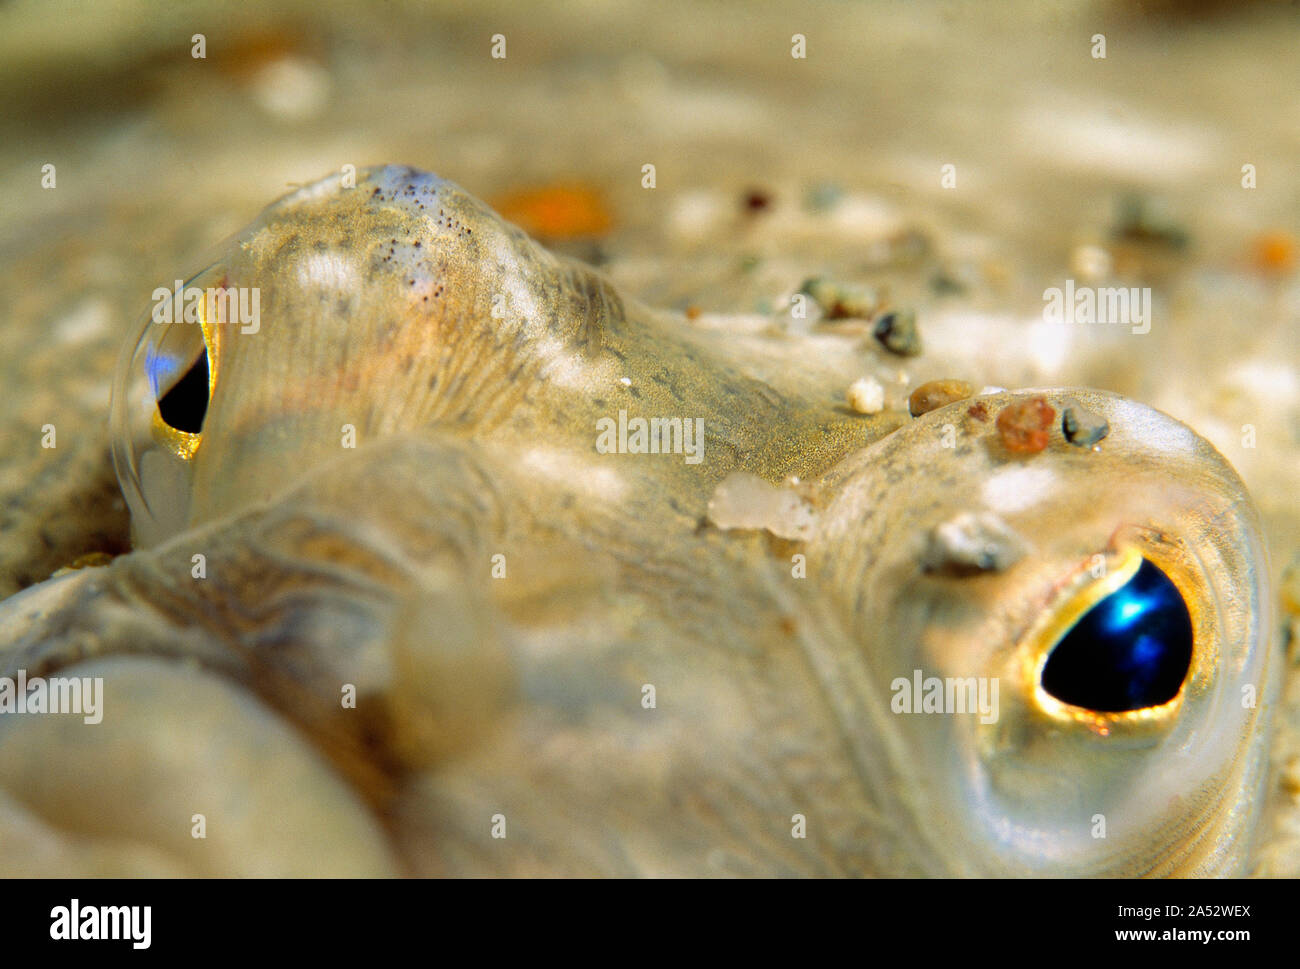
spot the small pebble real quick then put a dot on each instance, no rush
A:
(945, 283)
(1082, 427)
(1276, 252)
(1092, 263)
(897, 333)
(822, 197)
(1024, 426)
(901, 250)
(842, 301)
(291, 87)
(694, 215)
(972, 542)
(1145, 221)
(935, 394)
(866, 395)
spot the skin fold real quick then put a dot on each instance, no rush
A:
(558, 645)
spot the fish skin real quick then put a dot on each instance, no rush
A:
(522, 695)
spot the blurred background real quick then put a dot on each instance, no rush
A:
(1169, 163)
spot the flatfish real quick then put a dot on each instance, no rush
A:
(451, 559)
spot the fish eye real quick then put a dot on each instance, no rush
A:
(1131, 649)
(1127, 640)
(1112, 604)
(161, 398)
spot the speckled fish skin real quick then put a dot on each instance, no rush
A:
(521, 695)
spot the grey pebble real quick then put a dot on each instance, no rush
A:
(897, 333)
(972, 542)
(842, 301)
(1082, 427)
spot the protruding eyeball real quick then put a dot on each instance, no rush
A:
(1077, 642)
(380, 307)
(161, 394)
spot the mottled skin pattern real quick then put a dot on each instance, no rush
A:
(521, 694)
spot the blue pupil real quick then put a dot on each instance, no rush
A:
(1130, 651)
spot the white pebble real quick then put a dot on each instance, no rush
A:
(1090, 262)
(695, 214)
(866, 396)
(292, 88)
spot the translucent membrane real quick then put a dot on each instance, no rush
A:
(149, 455)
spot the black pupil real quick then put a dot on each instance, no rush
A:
(185, 405)
(1130, 651)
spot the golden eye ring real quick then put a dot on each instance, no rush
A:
(1164, 572)
(181, 442)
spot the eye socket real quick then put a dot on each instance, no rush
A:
(184, 405)
(1132, 650)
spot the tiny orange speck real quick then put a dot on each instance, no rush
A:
(1275, 252)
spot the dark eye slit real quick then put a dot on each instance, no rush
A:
(186, 404)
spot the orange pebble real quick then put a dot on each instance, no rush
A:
(937, 393)
(1275, 252)
(1024, 426)
(558, 211)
